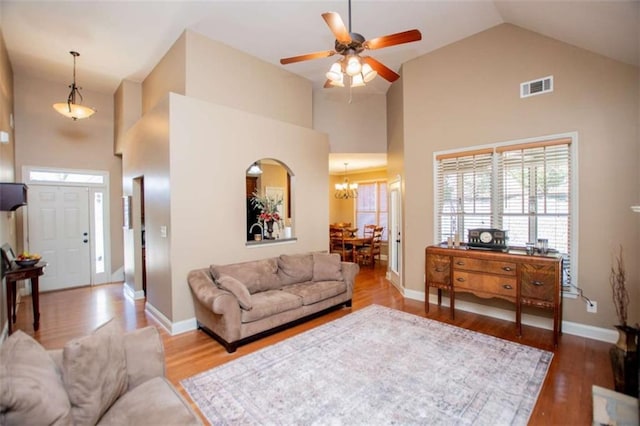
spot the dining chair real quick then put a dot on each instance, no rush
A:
(367, 230)
(338, 245)
(368, 253)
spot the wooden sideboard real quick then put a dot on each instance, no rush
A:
(524, 280)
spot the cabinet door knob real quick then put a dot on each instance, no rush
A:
(438, 269)
(507, 268)
(460, 262)
(460, 279)
(508, 286)
(537, 283)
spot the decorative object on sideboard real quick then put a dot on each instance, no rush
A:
(71, 108)
(269, 206)
(624, 354)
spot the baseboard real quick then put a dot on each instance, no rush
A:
(172, 328)
(568, 327)
(133, 294)
(117, 275)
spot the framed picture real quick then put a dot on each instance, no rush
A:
(8, 256)
(126, 212)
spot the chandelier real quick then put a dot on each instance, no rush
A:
(70, 108)
(346, 190)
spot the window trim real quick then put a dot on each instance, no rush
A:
(498, 147)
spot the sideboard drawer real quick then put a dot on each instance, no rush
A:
(486, 266)
(486, 285)
(439, 269)
(538, 281)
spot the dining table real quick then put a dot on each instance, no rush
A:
(356, 242)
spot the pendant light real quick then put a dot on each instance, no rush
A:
(70, 108)
(346, 190)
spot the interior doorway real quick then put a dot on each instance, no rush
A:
(140, 251)
(395, 233)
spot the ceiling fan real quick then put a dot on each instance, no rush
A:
(361, 69)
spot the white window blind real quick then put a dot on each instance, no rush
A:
(465, 192)
(522, 188)
(371, 206)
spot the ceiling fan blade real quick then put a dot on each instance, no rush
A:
(334, 21)
(393, 39)
(328, 85)
(385, 72)
(308, 56)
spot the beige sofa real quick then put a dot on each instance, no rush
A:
(106, 378)
(241, 302)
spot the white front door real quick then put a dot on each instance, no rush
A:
(58, 224)
(395, 240)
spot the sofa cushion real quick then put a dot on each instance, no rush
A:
(327, 267)
(315, 291)
(257, 275)
(269, 303)
(154, 402)
(145, 355)
(94, 371)
(31, 389)
(296, 268)
(238, 289)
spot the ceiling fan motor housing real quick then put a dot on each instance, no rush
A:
(356, 45)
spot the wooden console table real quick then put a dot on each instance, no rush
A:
(525, 280)
(15, 274)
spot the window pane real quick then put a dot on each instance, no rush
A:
(518, 227)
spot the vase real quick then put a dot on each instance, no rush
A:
(269, 224)
(624, 361)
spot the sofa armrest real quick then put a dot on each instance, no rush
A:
(349, 272)
(144, 354)
(206, 292)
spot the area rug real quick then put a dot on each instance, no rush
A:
(376, 366)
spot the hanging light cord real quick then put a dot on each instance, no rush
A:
(74, 89)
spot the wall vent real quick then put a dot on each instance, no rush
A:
(536, 87)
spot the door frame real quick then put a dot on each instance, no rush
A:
(395, 211)
(101, 184)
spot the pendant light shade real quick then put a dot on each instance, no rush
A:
(71, 108)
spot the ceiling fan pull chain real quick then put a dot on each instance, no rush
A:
(349, 16)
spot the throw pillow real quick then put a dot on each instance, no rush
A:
(296, 268)
(235, 287)
(327, 267)
(257, 275)
(94, 371)
(31, 391)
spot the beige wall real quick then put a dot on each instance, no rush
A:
(467, 94)
(146, 154)
(7, 164)
(226, 76)
(211, 146)
(169, 75)
(46, 138)
(237, 109)
(127, 110)
(353, 125)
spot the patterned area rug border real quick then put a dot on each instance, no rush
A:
(377, 365)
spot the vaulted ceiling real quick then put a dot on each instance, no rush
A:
(125, 39)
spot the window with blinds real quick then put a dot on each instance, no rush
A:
(371, 206)
(523, 188)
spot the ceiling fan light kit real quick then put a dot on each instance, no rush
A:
(71, 108)
(361, 69)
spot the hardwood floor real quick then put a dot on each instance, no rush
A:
(565, 398)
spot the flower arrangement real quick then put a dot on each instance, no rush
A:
(268, 206)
